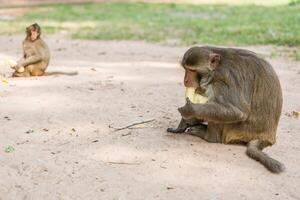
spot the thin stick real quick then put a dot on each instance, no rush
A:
(134, 124)
(126, 134)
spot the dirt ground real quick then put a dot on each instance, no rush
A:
(61, 129)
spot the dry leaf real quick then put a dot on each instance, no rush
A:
(295, 114)
(4, 81)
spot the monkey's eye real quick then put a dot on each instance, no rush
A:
(189, 69)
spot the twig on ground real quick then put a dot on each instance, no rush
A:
(126, 134)
(131, 125)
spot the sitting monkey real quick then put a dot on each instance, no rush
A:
(244, 100)
(36, 54)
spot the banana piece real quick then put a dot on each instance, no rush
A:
(194, 97)
(21, 69)
(12, 64)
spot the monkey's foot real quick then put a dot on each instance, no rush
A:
(17, 74)
(176, 130)
(199, 130)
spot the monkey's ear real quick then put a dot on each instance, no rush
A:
(214, 60)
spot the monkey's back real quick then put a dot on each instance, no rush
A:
(46, 53)
(260, 87)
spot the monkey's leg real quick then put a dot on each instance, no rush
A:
(22, 74)
(37, 73)
(203, 132)
(34, 70)
(182, 126)
(200, 131)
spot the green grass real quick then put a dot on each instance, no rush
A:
(296, 56)
(169, 23)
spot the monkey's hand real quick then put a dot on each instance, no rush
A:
(19, 68)
(187, 111)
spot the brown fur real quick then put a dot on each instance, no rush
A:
(36, 56)
(245, 99)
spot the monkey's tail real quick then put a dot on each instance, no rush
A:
(74, 73)
(254, 150)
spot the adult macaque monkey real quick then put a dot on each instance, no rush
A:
(244, 100)
(36, 55)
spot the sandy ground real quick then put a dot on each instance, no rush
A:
(65, 147)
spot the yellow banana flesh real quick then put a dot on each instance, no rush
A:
(195, 97)
(12, 64)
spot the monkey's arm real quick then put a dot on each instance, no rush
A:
(31, 55)
(182, 126)
(213, 112)
(21, 60)
(30, 60)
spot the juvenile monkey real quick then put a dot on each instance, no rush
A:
(244, 99)
(36, 55)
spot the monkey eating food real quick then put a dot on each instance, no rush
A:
(36, 56)
(194, 97)
(12, 64)
(244, 100)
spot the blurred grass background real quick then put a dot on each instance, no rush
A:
(243, 23)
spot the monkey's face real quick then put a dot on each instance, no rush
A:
(34, 35)
(198, 64)
(191, 78)
(33, 32)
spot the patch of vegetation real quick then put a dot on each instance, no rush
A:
(181, 24)
(294, 2)
(296, 56)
